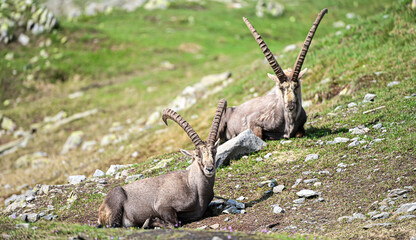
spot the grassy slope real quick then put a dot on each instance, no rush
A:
(350, 60)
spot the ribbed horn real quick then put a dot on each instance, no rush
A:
(213, 132)
(169, 113)
(306, 44)
(266, 51)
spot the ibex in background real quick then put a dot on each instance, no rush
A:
(276, 115)
(165, 199)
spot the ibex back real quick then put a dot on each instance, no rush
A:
(166, 199)
(279, 114)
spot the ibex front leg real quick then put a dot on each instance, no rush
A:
(168, 215)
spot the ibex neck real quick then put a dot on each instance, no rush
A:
(198, 181)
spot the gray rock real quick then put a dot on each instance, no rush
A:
(88, 145)
(133, 178)
(156, 4)
(306, 193)
(311, 157)
(317, 184)
(98, 173)
(351, 105)
(114, 168)
(359, 130)
(408, 207)
(358, 216)
(7, 124)
(397, 192)
(108, 139)
(406, 217)
(297, 182)
(338, 24)
(369, 97)
(323, 172)
(270, 183)
(245, 143)
(72, 142)
(353, 144)
(23, 39)
(270, 7)
(278, 188)
(371, 214)
(382, 215)
(22, 225)
(50, 217)
(394, 83)
(76, 179)
(341, 140)
(372, 225)
(312, 180)
(232, 210)
(277, 209)
(299, 201)
(32, 217)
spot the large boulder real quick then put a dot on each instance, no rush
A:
(245, 143)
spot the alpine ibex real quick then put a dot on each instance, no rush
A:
(276, 115)
(166, 199)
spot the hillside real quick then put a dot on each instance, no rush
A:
(111, 72)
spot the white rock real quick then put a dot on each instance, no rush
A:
(98, 173)
(369, 97)
(306, 193)
(359, 130)
(23, 39)
(351, 105)
(76, 179)
(394, 83)
(277, 209)
(279, 189)
(73, 141)
(114, 168)
(311, 157)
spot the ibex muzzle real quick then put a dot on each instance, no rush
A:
(277, 115)
(172, 197)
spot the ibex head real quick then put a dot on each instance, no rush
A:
(288, 81)
(205, 151)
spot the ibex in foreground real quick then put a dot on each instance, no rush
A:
(276, 115)
(165, 199)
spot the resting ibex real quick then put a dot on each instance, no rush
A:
(276, 115)
(165, 199)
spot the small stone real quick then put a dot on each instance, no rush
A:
(358, 216)
(30, 198)
(324, 172)
(378, 126)
(73, 141)
(278, 188)
(369, 97)
(283, 142)
(308, 181)
(270, 183)
(397, 192)
(317, 184)
(32, 217)
(22, 225)
(382, 215)
(133, 178)
(351, 105)
(353, 144)
(394, 83)
(299, 201)
(88, 145)
(114, 168)
(342, 165)
(23, 39)
(277, 209)
(232, 210)
(345, 219)
(241, 198)
(359, 130)
(408, 207)
(297, 182)
(320, 199)
(226, 219)
(98, 173)
(341, 140)
(9, 56)
(377, 225)
(214, 226)
(306, 193)
(76, 179)
(406, 217)
(267, 156)
(311, 157)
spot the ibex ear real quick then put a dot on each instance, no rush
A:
(186, 153)
(273, 77)
(302, 72)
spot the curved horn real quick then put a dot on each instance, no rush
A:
(169, 113)
(306, 44)
(213, 132)
(269, 55)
